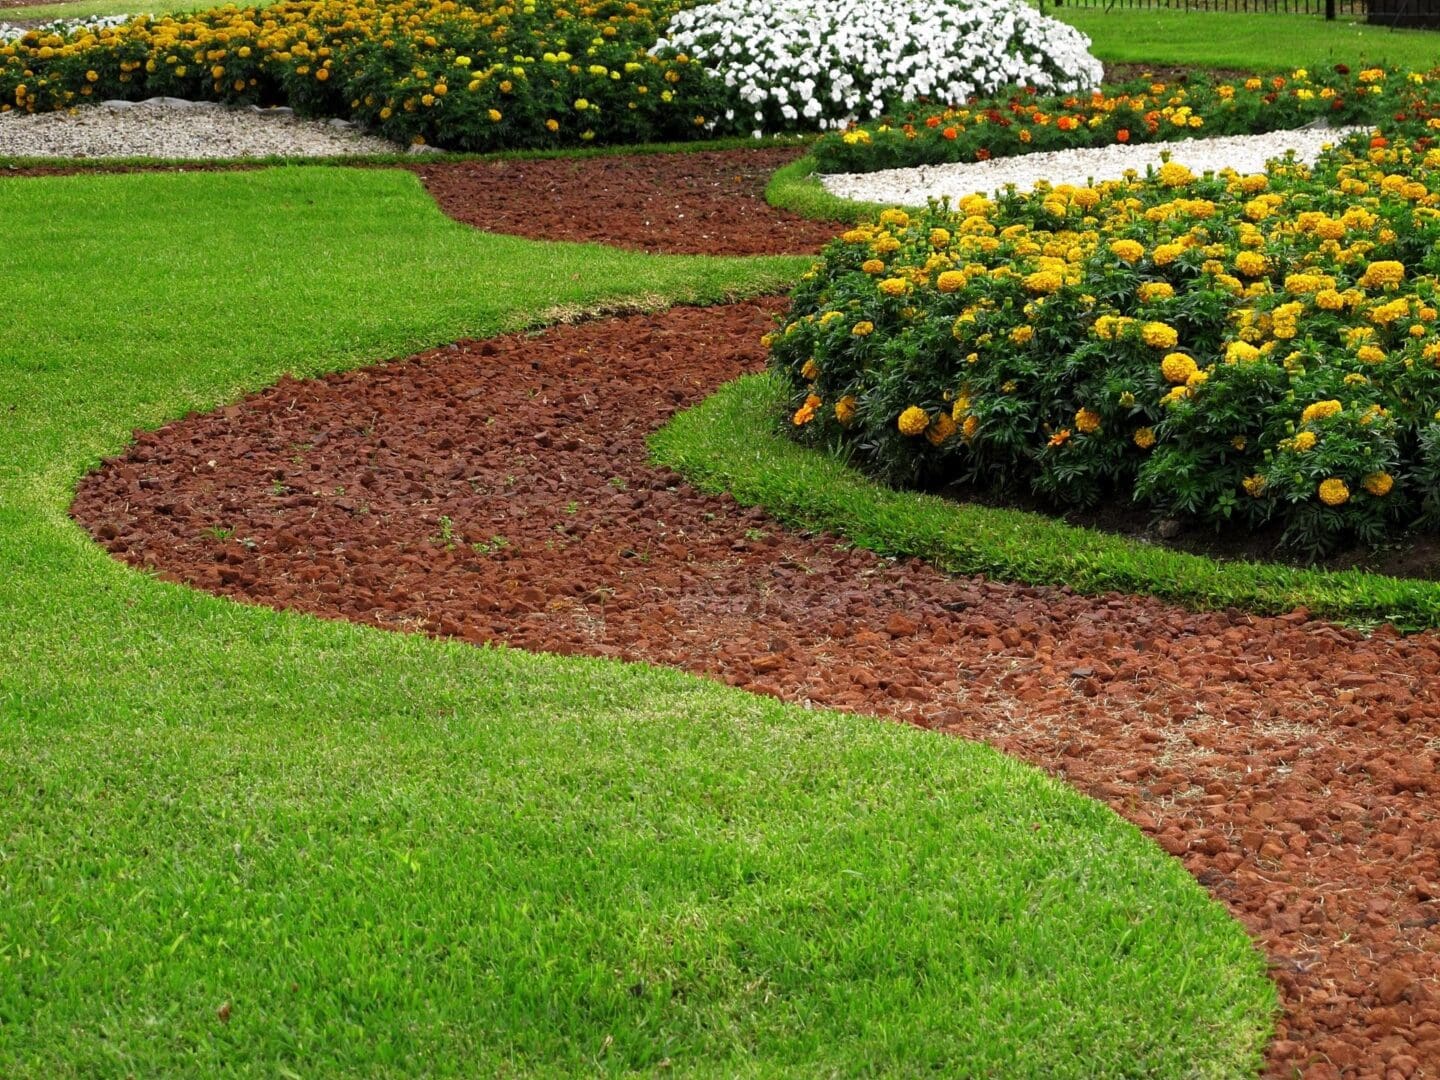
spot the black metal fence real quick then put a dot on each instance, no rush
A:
(1408, 13)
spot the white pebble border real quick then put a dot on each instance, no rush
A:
(174, 128)
(1244, 153)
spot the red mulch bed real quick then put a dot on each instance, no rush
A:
(700, 202)
(1289, 763)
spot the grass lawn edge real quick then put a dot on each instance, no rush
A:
(733, 442)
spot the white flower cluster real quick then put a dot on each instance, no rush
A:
(823, 63)
(63, 27)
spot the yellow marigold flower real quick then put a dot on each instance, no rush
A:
(1378, 484)
(1176, 395)
(1155, 290)
(939, 238)
(1177, 368)
(1060, 438)
(1254, 486)
(1159, 336)
(898, 218)
(1238, 442)
(950, 281)
(1321, 410)
(1238, 352)
(1165, 254)
(1371, 354)
(845, 409)
(894, 286)
(1127, 399)
(811, 370)
(494, 115)
(1329, 300)
(863, 328)
(1251, 263)
(1334, 492)
(913, 421)
(1087, 421)
(969, 427)
(1144, 437)
(873, 266)
(1044, 281)
(552, 125)
(1022, 335)
(1382, 274)
(1304, 441)
(941, 429)
(1172, 174)
(1127, 250)
(1197, 379)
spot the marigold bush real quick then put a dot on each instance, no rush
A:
(479, 76)
(1030, 121)
(1230, 349)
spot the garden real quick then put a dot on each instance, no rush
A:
(511, 566)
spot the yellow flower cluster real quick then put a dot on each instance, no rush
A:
(1274, 335)
(478, 75)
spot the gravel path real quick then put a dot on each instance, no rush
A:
(911, 187)
(171, 128)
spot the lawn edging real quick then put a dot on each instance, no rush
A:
(732, 442)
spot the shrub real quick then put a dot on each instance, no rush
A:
(1231, 349)
(1028, 121)
(821, 63)
(482, 76)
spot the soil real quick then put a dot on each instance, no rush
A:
(1116, 74)
(500, 491)
(699, 202)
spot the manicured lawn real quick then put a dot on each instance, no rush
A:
(81, 9)
(233, 840)
(1248, 42)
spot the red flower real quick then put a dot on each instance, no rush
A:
(982, 154)
(932, 121)
(1123, 135)
(1342, 69)
(1379, 142)
(950, 133)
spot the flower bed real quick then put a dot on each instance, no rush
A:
(1232, 349)
(483, 76)
(493, 75)
(1029, 121)
(823, 63)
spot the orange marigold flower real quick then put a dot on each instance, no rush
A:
(1060, 438)
(1334, 492)
(811, 370)
(806, 412)
(845, 409)
(1144, 438)
(913, 421)
(1378, 484)
(1087, 421)
(941, 429)
(950, 281)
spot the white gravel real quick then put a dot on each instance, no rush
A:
(1244, 153)
(172, 128)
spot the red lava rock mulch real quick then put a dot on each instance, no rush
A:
(1290, 764)
(699, 202)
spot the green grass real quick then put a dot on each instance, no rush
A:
(1246, 42)
(83, 9)
(733, 442)
(380, 854)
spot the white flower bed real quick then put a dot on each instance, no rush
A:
(823, 63)
(63, 27)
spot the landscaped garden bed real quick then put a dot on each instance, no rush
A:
(239, 838)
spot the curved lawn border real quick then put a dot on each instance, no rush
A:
(734, 442)
(237, 838)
